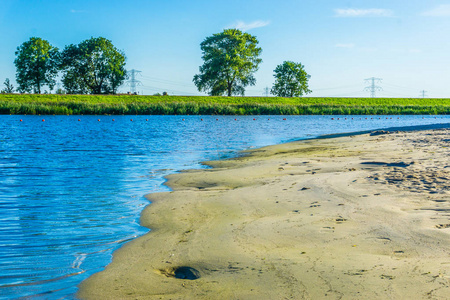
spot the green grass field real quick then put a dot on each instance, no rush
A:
(206, 105)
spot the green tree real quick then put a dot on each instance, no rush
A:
(94, 66)
(36, 65)
(291, 80)
(9, 88)
(60, 91)
(230, 60)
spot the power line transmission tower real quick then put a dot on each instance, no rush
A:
(133, 83)
(373, 88)
(266, 92)
(423, 93)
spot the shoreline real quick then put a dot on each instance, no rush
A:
(334, 217)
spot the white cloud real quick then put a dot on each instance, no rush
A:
(247, 26)
(354, 12)
(345, 46)
(442, 10)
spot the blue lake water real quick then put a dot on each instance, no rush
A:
(71, 191)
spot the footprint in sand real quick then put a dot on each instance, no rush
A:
(340, 220)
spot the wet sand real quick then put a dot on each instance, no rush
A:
(355, 217)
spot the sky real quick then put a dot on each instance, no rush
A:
(340, 43)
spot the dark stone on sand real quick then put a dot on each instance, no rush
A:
(187, 273)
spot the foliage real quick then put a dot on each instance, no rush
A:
(36, 65)
(125, 98)
(94, 66)
(230, 59)
(9, 88)
(192, 108)
(60, 91)
(291, 80)
(183, 105)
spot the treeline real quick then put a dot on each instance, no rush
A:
(93, 66)
(230, 60)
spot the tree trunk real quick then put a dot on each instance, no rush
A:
(229, 88)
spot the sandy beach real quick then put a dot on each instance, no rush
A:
(353, 217)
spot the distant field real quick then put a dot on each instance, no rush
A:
(195, 105)
(126, 99)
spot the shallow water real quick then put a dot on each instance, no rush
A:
(71, 191)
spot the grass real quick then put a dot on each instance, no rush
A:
(206, 105)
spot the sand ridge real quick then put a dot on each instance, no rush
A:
(337, 218)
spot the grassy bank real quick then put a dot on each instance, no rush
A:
(203, 105)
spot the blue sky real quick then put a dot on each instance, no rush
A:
(406, 43)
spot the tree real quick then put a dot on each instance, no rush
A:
(291, 80)
(60, 91)
(36, 65)
(94, 66)
(230, 59)
(9, 88)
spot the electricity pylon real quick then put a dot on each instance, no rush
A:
(423, 93)
(133, 83)
(373, 88)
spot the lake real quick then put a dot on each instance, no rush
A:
(72, 187)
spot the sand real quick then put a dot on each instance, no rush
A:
(356, 217)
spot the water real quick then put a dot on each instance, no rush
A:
(71, 191)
